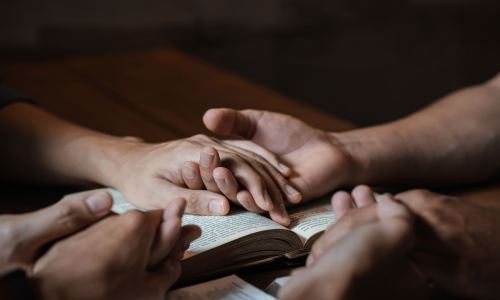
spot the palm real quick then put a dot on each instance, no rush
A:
(317, 165)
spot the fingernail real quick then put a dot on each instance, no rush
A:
(310, 260)
(216, 206)
(176, 267)
(99, 202)
(207, 159)
(283, 167)
(188, 172)
(267, 199)
(284, 214)
(244, 202)
(221, 182)
(290, 190)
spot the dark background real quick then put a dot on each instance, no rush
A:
(367, 61)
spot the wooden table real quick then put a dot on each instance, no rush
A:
(157, 95)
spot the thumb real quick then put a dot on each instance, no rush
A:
(229, 121)
(66, 217)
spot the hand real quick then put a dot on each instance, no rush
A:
(458, 247)
(369, 262)
(151, 175)
(318, 163)
(23, 236)
(129, 256)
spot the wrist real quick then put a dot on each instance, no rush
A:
(362, 152)
(103, 157)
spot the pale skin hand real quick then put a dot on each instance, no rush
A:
(456, 140)
(369, 262)
(457, 246)
(46, 149)
(132, 256)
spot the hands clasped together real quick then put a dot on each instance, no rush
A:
(131, 256)
(390, 250)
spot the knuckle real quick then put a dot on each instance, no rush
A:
(134, 219)
(70, 216)
(193, 204)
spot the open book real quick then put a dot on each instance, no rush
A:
(242, 238)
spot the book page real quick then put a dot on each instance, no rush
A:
(227, 288)
(215, 230)
(218, 230)
(311, 218)
(306, 221)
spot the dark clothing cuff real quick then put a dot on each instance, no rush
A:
(9, 96)
(15, 286)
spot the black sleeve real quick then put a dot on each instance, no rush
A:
(9, 95)
(15, 286)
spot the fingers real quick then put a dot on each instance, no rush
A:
(229, 121)
(67, 217)
(169, 231)
(291, 194)
(341, 203)
(363, 196)
(167, 237)
(262, 152)
(246, 200)
(209, 160)
(351, 220)
(191, 175)
(174, 209)
(201, 202)
(167, 273)
(226, 183)
(388, 208)
(189, 233)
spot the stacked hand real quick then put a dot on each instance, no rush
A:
(129, 256)
(316, 159)
(370, 261)
(206, 172)
(457, 246)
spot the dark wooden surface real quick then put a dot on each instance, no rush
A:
(157, 95)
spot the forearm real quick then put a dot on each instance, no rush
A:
(39, 147)
(456, 140)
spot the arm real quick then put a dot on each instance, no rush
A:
(39, 147)
(455, 140)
